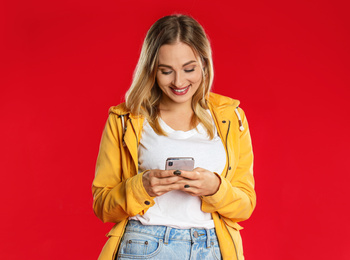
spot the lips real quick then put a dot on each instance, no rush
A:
(180, 91)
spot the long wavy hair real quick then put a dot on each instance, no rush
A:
(144, 94)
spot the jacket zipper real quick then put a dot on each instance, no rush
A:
(228, 158)
(123, 128)
(228, 155)
(132, 125)
(121, 235)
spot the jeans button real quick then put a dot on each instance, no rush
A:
(195, 234)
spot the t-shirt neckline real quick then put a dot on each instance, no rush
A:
(179, 133)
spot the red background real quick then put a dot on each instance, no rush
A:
(65, 62)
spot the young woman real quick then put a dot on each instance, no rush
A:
(170, 112)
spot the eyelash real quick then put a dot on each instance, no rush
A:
(169, 72)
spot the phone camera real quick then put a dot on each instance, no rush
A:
(170, 163)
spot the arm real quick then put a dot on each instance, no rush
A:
(116, 194)
(236, 198)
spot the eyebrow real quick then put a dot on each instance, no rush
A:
(167, 66)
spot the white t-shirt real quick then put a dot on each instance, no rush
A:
(178, 209)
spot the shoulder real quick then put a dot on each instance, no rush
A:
(116, 117)
(120, 109)
(221, 102)
(227, 108)
(120, 115)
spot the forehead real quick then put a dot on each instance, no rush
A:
(176, 54)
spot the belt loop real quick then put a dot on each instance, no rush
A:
(166, 236)
(208, 237)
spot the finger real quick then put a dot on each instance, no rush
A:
(193, 191)
(199, 169)
(164, 181)
(192, 175)
(163, 173)
(162, 189)
(177, 172)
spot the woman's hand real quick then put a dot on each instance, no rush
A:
(158, 182)
(200, 182)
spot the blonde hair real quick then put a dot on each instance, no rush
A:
(144, 95)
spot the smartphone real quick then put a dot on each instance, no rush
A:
(179, 163)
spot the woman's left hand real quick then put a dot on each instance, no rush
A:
(200, 182)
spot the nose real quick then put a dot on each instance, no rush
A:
(178, 80)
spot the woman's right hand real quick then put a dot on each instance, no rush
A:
(158, 182)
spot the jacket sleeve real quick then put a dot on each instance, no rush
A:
(116, 198)
(236, 198)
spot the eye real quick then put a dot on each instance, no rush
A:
(166, 72)
(189, 69)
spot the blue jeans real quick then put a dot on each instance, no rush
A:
(166, 243)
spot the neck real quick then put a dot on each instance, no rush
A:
(179, 116)
(170, 106)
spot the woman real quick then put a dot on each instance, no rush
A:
(170, 112)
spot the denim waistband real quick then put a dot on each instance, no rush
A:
(169, 233)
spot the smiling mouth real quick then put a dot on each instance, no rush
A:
(181, 90)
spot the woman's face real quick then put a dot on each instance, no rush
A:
(179, 73)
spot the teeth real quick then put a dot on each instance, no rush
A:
(181, 91)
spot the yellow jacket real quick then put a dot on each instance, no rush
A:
(118, 191)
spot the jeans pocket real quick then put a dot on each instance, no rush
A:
(139, 246)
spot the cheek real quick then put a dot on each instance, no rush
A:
(196, 77)
(161, 80)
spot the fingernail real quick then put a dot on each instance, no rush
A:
(187, 186)
(177, 172)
